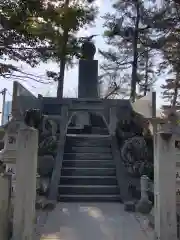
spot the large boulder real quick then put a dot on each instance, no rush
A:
(45, 165)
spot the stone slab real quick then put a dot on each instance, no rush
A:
(87, 221)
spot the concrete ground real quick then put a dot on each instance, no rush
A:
(93, 221)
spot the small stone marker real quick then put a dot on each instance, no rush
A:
(130, 206)
(144, 205)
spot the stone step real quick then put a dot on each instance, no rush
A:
(86, 180)
(101, 131)
(88, 189)
(87, 149)
(89, 198)
(93, 130)
(85, 143)
(88, 137)
(87, 156)
(88, 163)
(88, 141)
(74, 130)
(88, 171)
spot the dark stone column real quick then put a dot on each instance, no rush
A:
(88, 79)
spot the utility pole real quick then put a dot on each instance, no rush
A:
(3, 92)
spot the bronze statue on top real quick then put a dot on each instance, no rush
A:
(88, 48)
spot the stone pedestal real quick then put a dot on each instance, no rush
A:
(113, 120)
(88, 79)
(144, 205)
(82, 119)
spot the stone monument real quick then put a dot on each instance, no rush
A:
(87, 104)
(88, 72)
(88, 80)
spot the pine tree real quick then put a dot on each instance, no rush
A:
(16, 41)
(34, 31)
(171, 88)
(171, 91)
(169, 44)
(124, 34)
(147, 71)
(75, 15)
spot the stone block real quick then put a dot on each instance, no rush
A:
(130, 206)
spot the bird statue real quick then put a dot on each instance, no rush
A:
(89, 38)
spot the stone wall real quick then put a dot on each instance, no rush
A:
(22, 100)
(53, 106)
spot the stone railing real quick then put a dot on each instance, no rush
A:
(54, 183)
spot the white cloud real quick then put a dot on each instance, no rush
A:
(99, 3)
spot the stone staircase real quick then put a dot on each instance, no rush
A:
(88, 170)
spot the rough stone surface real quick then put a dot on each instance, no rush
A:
(45, 165)
(144, 206)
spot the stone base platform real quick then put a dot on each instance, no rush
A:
(87, 221)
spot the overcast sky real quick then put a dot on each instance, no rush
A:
(71, 76)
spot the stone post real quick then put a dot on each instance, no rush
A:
(5, 186)
(53, 188)
(112, 120)
(165, 188)
(144, 205)
(144, 187)
(25, 194)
